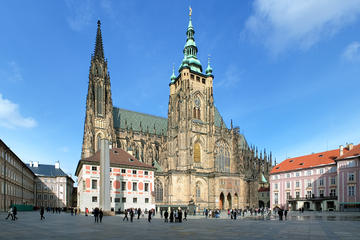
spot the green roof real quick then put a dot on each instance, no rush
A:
(125, 119)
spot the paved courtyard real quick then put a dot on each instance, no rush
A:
(64, 226)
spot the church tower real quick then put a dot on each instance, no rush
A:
(190, 111)
(99, 109)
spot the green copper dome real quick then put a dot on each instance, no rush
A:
(173, 77)
(208, 70)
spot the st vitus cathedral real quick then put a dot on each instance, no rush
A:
(200, 162)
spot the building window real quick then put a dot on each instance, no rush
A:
(351, 177)
(134, 186)
(287, 184)
(146, 173)
(198, 193)
(197, 154)
(276, 186)
(309, 183)
(297, 194)
(297, 184)
(351, 191)
(288, 175)
(308, 195)
(146, 187)
(158, 191)
(39, 196)
(222, 157)
(123, 199)
(276, 198)
(94, 199)
(146, 200)
(117, 200)
(134, 171)
(321, 192)
(123, 170)
(94, 168)
(298, 174)
(123, 186)
(288, 195)
(94, 184)
(203, 80)
(332, 192)
(309, 173)
(110, 169)
(321, 171)
(134, 200)
(321, 182)
(333, 180)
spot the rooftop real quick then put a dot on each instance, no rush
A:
(354, 152)
(46, 170)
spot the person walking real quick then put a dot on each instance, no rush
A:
(185, 215)
(166, 215)
(285, 214)
(96, 215)
(131, 215)
(86, 212)
(101, 214)
(139, 213)
(14, 213)
(172, 216)
(126, 215)
(42, 213)
(235, 212)
(10, 214)
(149, 216)
(180, 215)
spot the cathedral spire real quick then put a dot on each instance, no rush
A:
(190, 50)
(99, 50)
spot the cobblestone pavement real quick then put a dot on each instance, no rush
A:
(298, 226)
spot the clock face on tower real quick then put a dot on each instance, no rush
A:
(197, 102)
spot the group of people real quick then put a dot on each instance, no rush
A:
(12, 213)
(133, 211)
(174, 216)
(74, 211)
(98, 214)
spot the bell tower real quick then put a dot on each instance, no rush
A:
(99, 109)
(190, 109)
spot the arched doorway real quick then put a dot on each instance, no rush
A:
(222, 199)
(228, 198)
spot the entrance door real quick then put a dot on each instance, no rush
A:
(221, 203)
(306, 205)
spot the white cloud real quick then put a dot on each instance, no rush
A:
(64, 149)
(284, 24)
(10, 117)
(11, 72)
(352, 52)
(232, 77)
(81, 13)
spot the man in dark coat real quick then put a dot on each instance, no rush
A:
(172, 216)
(185, 215)
(166, 215)
(14, 213)
(126, 215)
(180, 215)
(101, 214)
(131, 215)
(139, 213)
(96, 214)
(42, 213)
(149, 215)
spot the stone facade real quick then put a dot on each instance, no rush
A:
(199, 160)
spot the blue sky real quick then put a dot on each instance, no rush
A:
(286, 72)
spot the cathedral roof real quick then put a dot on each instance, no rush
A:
(124, 119)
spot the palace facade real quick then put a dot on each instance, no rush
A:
(199, 161)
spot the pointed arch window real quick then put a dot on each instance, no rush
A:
(197, 153)
(198, 190)
(222, 157)
(158, 191)
(100, 102)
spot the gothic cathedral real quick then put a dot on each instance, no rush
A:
(200, 162)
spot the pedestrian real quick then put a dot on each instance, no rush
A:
(285, 214)
(86, 211)
(14, 213)
(166, 215)
(126, 216)
(235, 215)
(172, 216)
(96, 215)
(72, 211)
(149, 216)
(185, 215)
(101, 214)
(42, 213)
(131, 215)
(139, 213)
(180, 215)
(161, 213)
(75, 211)
(10, 214)
(280, 212)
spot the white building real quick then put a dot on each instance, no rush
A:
(131, 182)
(53, 187)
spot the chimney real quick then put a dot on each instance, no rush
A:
(350, 146)
(31, 163)
(57, 165)
(36, 164)
(341, 150)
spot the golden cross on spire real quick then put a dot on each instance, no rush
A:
(190, 11)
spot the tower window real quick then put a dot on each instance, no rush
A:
(198, 78)
(203, 80)
(192, 76)
(197, 154)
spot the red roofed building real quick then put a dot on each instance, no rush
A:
(131, 182)
(308, 182)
